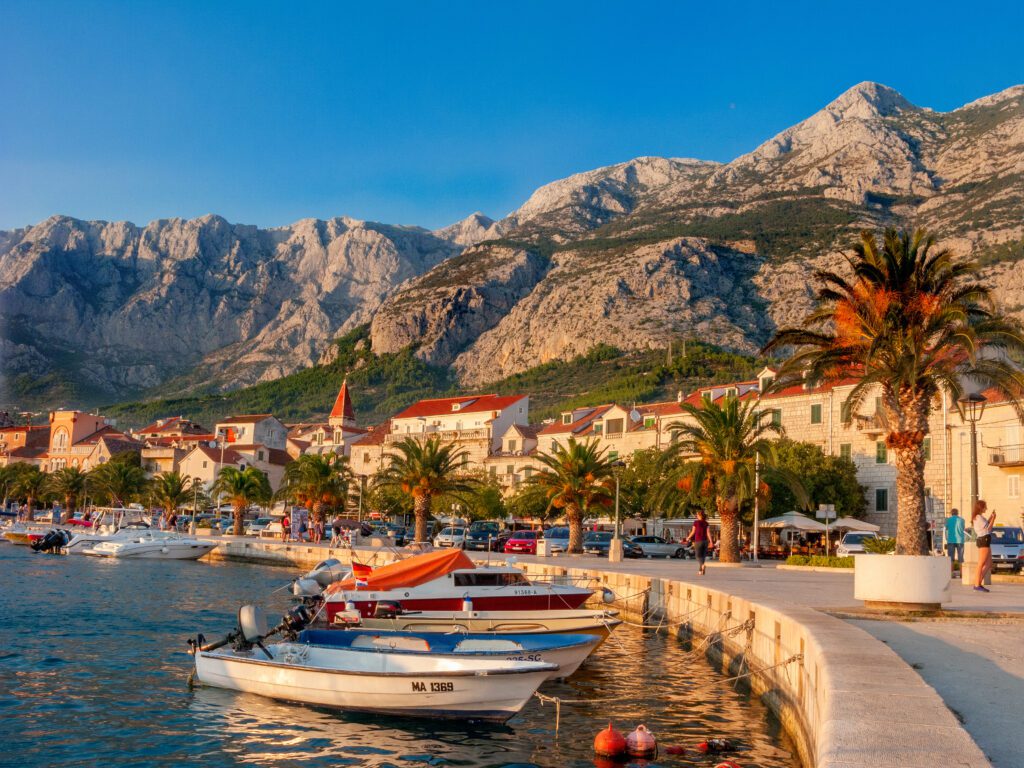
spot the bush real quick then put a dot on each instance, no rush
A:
(820, 561)
(880, 546)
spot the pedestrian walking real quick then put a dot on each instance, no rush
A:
(982, 526)
(955, 539)
(286, 527)
(699, 537)
(336, 531)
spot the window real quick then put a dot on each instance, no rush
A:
(366, 457)
(259, 455)
(204, 465)
(926, 446)
(527, 472)
(881, 453)
(554, 446)
(649, 422)
(493, 471)
(846, 451)
(567, 418)
(878, 405)
(598, 428)
(816, 413)
(705, 396)
(465, 459)
(510, 469)
(731, 392)
(614, 426)
(776, 417)
(511, 446)
(766, 382)
(881, 499)
(1013, 487)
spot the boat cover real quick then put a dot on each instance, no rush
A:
(409, 572)
(472, 644)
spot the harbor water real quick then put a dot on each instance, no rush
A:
(93, 670)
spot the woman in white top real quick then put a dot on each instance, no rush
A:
(982, 526)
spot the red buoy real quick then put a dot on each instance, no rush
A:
(641, 743)
(674, 750)
(609, 742)
(728, 764)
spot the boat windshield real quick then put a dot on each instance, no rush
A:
(485, 579)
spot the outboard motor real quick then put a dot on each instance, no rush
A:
(52, 541)
(323, 575)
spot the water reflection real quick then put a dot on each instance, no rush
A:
(93, 671)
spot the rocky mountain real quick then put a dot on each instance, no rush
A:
(119, 308)
(632, 255)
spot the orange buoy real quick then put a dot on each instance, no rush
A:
(641, 743)
(728, 764)
(609, 742)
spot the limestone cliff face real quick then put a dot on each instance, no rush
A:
(449, 308)
(125, 308)
(633, 255)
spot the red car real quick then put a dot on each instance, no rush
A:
(523, 542)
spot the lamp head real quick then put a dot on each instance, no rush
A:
(972, 406)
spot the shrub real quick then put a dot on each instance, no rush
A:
(880, 546)
(820, 561)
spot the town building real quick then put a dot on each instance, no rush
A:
(23, 444)
(263, 429)
(336, 435)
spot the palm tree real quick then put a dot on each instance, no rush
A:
(575, 477)
(69, 484)
(423, 470)
(172, 489)
(120, 480)
(908, 322)
(318, 482)
(29, 484)
(729, 439)
(242, 487)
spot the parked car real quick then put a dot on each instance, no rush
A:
(1007, 548)
(398, 533)
(852, 543)
(481, 534)
(522, 542)
(255, 527)
(451, 537)
(499, 541)
(557, 539)
(655, 546)
(600, 542)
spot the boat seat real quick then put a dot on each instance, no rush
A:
(392, 642)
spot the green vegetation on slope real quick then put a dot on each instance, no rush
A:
(381, 385)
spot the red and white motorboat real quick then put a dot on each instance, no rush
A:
(448, 581)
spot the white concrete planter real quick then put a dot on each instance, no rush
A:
(901, 581)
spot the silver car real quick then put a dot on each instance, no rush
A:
(557, 540)
(655, 546)
(853, 543)
(451, 537)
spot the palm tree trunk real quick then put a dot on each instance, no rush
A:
(421, 508)
(575, 517)
(728, 548)
(911, 524)
(239, 514)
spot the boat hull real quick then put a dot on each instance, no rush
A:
(384, 687)
(598, 623)
(153, 551)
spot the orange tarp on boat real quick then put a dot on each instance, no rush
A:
(409, 572)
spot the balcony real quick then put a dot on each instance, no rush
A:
(446, 435)
(1006, 456)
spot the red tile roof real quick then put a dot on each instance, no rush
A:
(470, 404)
(343, 404)
(230, 455)
(374, 435)
(580, 425)
(272, 455)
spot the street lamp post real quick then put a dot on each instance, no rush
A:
(615, 547)
(972, 407)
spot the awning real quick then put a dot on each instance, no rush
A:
(853, 524)
(793, 520)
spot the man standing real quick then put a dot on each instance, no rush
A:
(955, 538)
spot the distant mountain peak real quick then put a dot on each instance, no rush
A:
(869, 100)
(473, 229)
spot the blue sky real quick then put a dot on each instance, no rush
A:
(422, 112)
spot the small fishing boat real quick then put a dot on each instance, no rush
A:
(449, 581)
(567, 652)
(413, 684)
(153, 545)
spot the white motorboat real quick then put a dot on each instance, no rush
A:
(599, 623)
(153, 545)
(112, 524)
(567, 652)
(448, 580)
(80, 542)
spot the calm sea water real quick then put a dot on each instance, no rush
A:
(93, 669)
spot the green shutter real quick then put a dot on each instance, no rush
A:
(881, 454)
(927, 448)
(846, 451)
(816, 413)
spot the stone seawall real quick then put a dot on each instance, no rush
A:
(847, 700)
